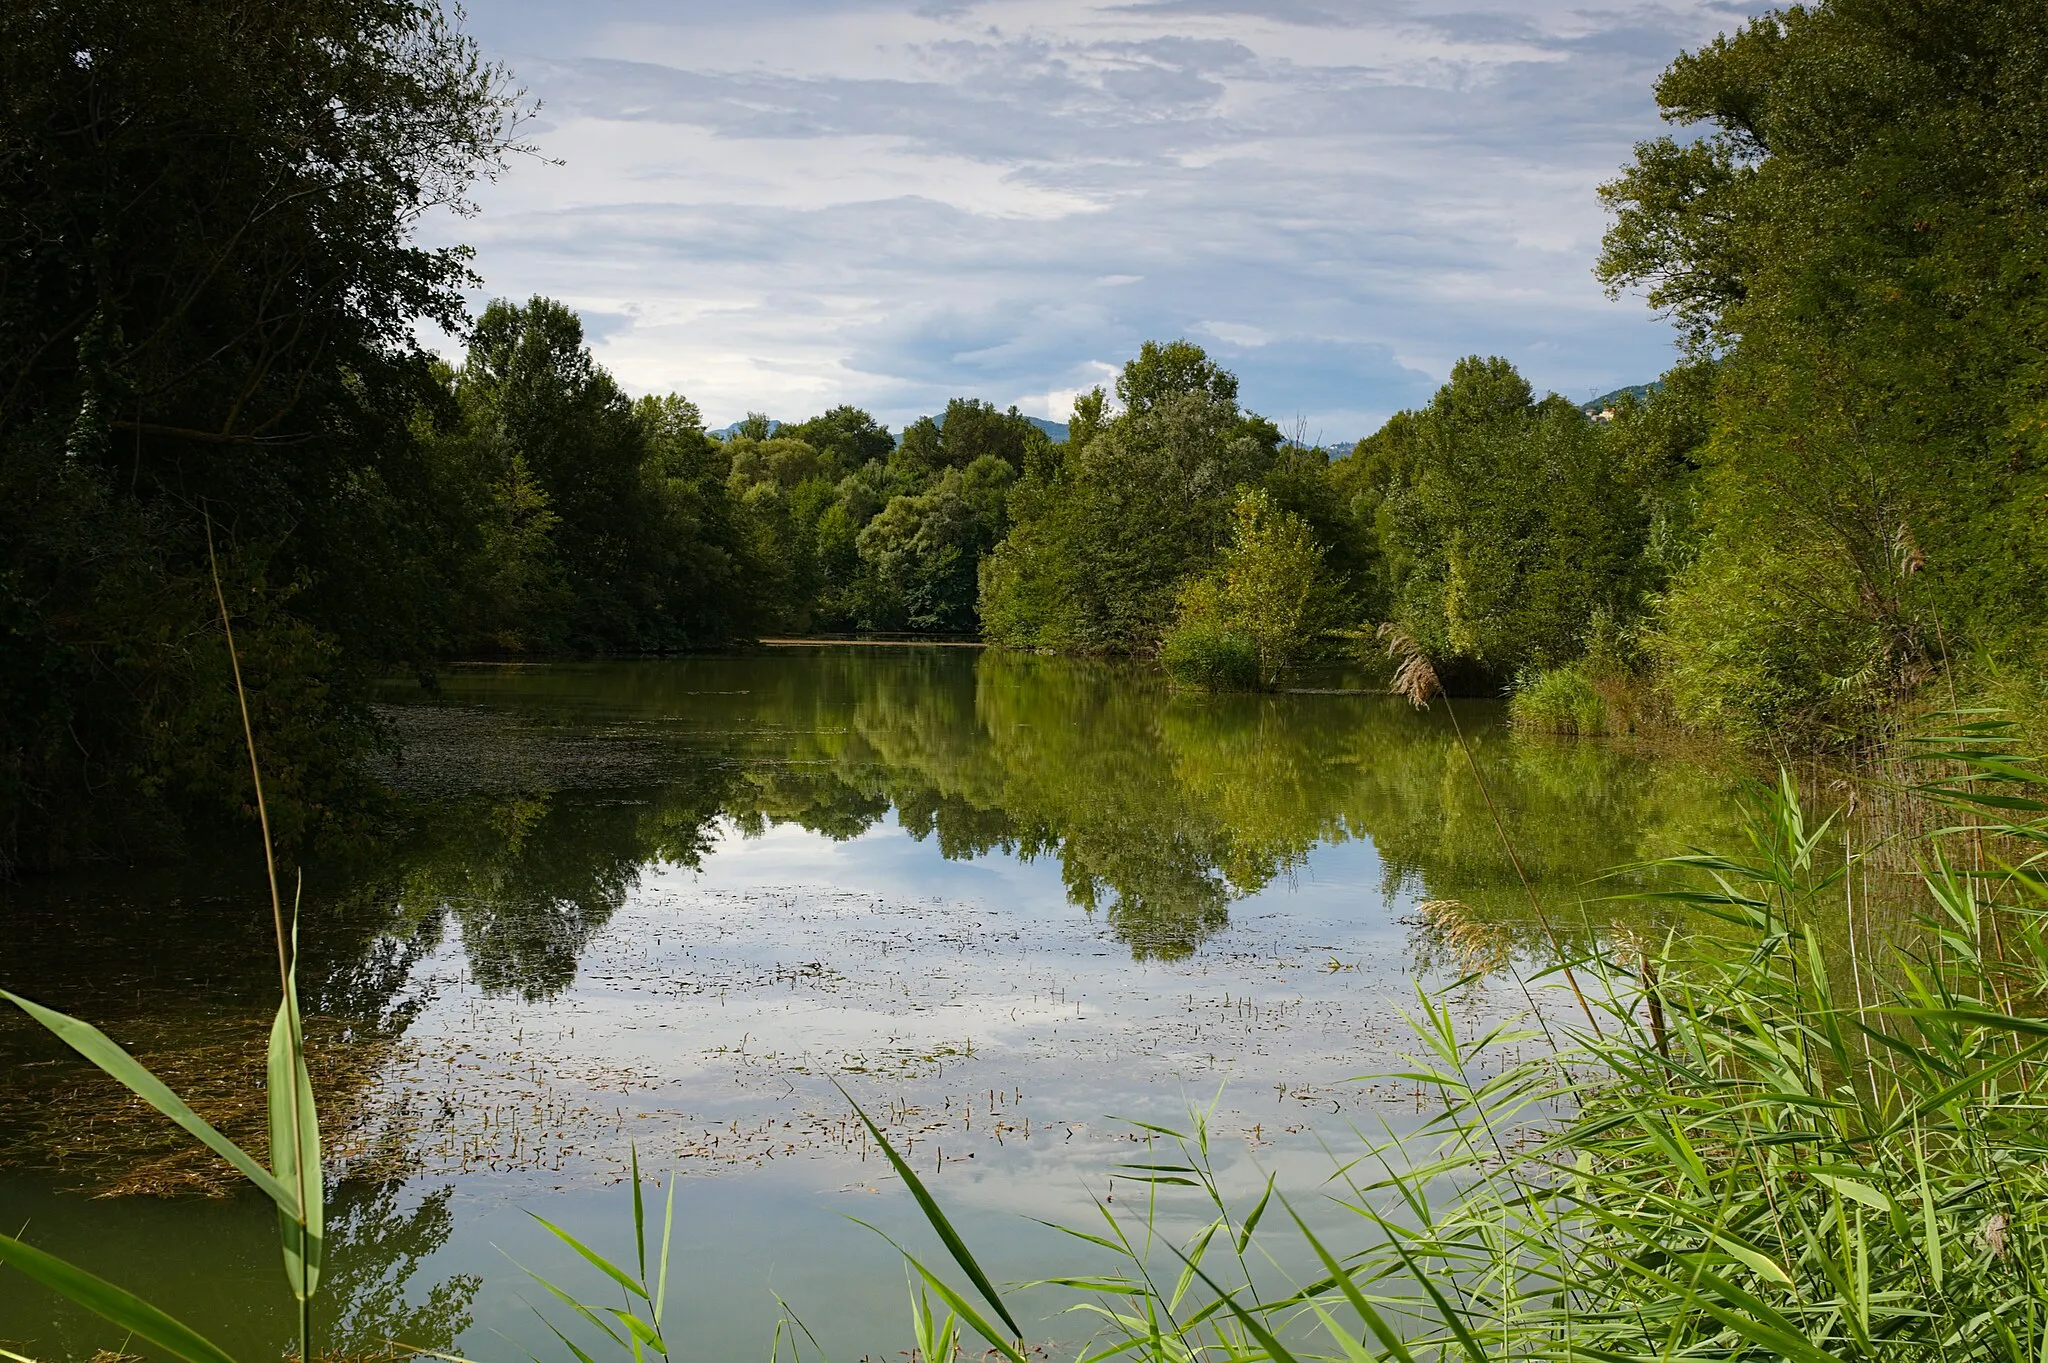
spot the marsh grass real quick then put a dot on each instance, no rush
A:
(1752, 1158)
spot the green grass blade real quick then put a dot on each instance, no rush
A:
(1389, 1338)
(668, 1226)
(1251, 1223)
(1252, 1324)
(568, 1343)
(593, 1258)
(639, 1216)
(90, 1042)
(295, 1147)
(574, 1305)
(960, 1304)
(116, 1304)
(641, 1330)
(950, 1237)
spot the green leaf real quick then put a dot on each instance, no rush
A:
(295, 1146)
(1850, 1188)
(116, 1304)
(1251, 1223)
(595, 1260)
(954, 1244)
(90, 1042)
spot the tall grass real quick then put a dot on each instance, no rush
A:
(1752, 1158)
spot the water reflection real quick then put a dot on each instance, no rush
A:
(549, 803)
(1160, 809)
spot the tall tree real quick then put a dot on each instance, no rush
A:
(207, 311)
(1861, 233)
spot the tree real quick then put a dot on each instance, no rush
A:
(969, 430)
(207, 315)
(1103, 539)
(1270, 588)
(924, 551)
(1858, 234)
(607, 524)
(1510, 531)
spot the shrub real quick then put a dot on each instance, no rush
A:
(1558, 700)
(1207, 658)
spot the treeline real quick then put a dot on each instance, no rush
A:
(1834, 509)
(1834, 506)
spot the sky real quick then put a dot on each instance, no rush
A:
(782, 205)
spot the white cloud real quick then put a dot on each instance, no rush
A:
(789, 204)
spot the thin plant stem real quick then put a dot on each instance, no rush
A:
(284, 962)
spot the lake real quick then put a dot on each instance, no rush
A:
(1012, 905)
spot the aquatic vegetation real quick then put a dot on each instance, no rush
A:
(1747, 1155)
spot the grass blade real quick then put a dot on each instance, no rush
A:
(96, 1046)
(116, 1304)
(295, 1147)
(595, 1260)
(951, 1238)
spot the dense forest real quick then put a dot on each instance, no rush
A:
(1834, 507)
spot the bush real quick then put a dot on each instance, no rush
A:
(1559, 700)
(1206, 658)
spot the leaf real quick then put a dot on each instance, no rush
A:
(593, 1258)
(116, 1304)
(1850, 1188)
(1762, 1263)
(1251, 1223)
(90, 1042)
(954, 1244)
(295, 1145)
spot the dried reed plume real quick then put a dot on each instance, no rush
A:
(1414, 675)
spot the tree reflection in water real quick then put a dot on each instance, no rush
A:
(1161, 809)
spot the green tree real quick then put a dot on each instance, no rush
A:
(207, 314)
(924, 551)
(1271, 587)
(1857, 233)
(969, 430)
(606, 524)
(1103, 538)
(1510, 531)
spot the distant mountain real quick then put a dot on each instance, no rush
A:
(1055, 431)
(1639, 391)
(728, 432)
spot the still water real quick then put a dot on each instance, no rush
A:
(1012, 905)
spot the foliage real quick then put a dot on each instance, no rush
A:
(1559, 700)
(1105, 534)
(1856, 232)
(600, 523)
(208, 315)
(1204, 656)
(1508, 528)
(1269, 588)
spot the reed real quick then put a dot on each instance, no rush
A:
(1751, 1158)
(293, 1180)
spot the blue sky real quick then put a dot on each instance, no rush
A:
(787, 204)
